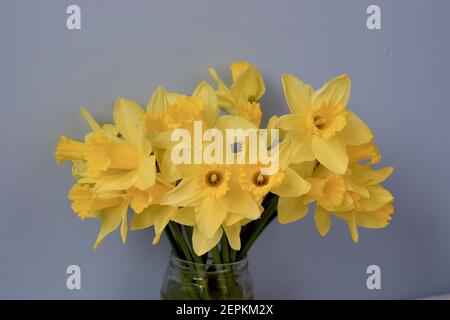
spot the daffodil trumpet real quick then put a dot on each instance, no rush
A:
(200, 169)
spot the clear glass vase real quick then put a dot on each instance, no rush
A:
(185, 280)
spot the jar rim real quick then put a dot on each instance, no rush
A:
(185, 265)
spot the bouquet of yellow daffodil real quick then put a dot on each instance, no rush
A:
(216, 209)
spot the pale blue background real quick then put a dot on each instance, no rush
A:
(401, 84)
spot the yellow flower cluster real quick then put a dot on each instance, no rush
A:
(326, 153)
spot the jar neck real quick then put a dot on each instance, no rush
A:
(211, 268)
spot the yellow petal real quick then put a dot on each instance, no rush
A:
(124, 225)
(380, 175)
(146, 218)
(375, 219)
(185, 216)
(170, 171)
(210, 215)
(187, 193)
(336, 90)
(207, 94)
(233, 236)
(139, 200)
(248, 83)
(298, 94)
(224, 97)
(363, 152)
(110, 219)
(203, 244)
(146, 173)
(238, 68)
(301, 148)
(233, 122)
(322, 220)
(331, 153)
(355, 132)
(162, 218)
(129, 122)
(68, 149)
(353, 228)
(291, 209)
(158, 101)
(91, 122)
(379, 197)
(292, 185)
(116, 181)
(290, 122)
(240, 202)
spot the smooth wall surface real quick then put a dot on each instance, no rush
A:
(400, 87)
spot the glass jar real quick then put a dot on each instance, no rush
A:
(185, 280)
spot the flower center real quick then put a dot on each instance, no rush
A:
(214, 178)
(327, 119)
(260, 180)
(319, 122)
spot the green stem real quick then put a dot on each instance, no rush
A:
(216, 255)
(173, 242)
(180, 240)
(233, 255)
(255, 232)
(224, 250)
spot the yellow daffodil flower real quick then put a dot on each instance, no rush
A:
(320, 126)
(355, 196)
(242, 97)
(213, 193)
(116, 159)
(169, 111)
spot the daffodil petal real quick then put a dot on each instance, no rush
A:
(223, 93)
(116, 181)
(187, 193)
(129, 122)
(124, 225)
(145, 219)
(375, 219)
(233, 235)
(203, 244)
(331, 153)
(301, 148)
(322, 219)
(162, 218)
(170, 171)
(158, 101)
(353, 228)
(379, 197)
(248, 83)
(110, 219)
(290, 122)
(146, 173)
(185, 216)
(293, 185)
(298, 93)
(208, 95)
(89, 119)
(336, 90)
(291, 209)
(210, 215)
(240, 202)
(233, 122)
(355, 132)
